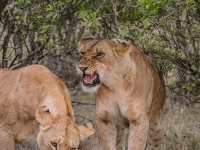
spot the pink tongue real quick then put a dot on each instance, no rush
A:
(89, 78)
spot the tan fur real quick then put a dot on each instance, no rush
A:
(131, 92)
(85, 131)
(33, 101)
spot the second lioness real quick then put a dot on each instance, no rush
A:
(33, 101)
(129, 90)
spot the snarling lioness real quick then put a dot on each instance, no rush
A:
(33, 101)
(129, 90)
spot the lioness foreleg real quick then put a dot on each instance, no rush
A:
(107, 133)
(138, 132)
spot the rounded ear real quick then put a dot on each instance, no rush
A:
(130, 42)
(120, 51)
(121, 47)
(86, 37)
(85, 40)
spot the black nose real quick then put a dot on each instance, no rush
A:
(54, 144)
(82, 67)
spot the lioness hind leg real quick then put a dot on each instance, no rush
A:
(6, 141)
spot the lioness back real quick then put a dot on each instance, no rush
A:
(29, 82)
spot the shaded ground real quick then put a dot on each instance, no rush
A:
(179, 123)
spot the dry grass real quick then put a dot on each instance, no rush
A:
(179, 124)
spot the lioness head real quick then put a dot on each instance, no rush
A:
(56, 132)
(102, 62)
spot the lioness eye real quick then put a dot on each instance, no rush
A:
(100, 55)
(47, 111)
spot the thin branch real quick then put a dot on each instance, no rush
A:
(13, 61)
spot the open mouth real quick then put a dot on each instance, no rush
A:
(90, 80)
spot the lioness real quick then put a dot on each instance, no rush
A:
(130, 92)
(33, 101)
